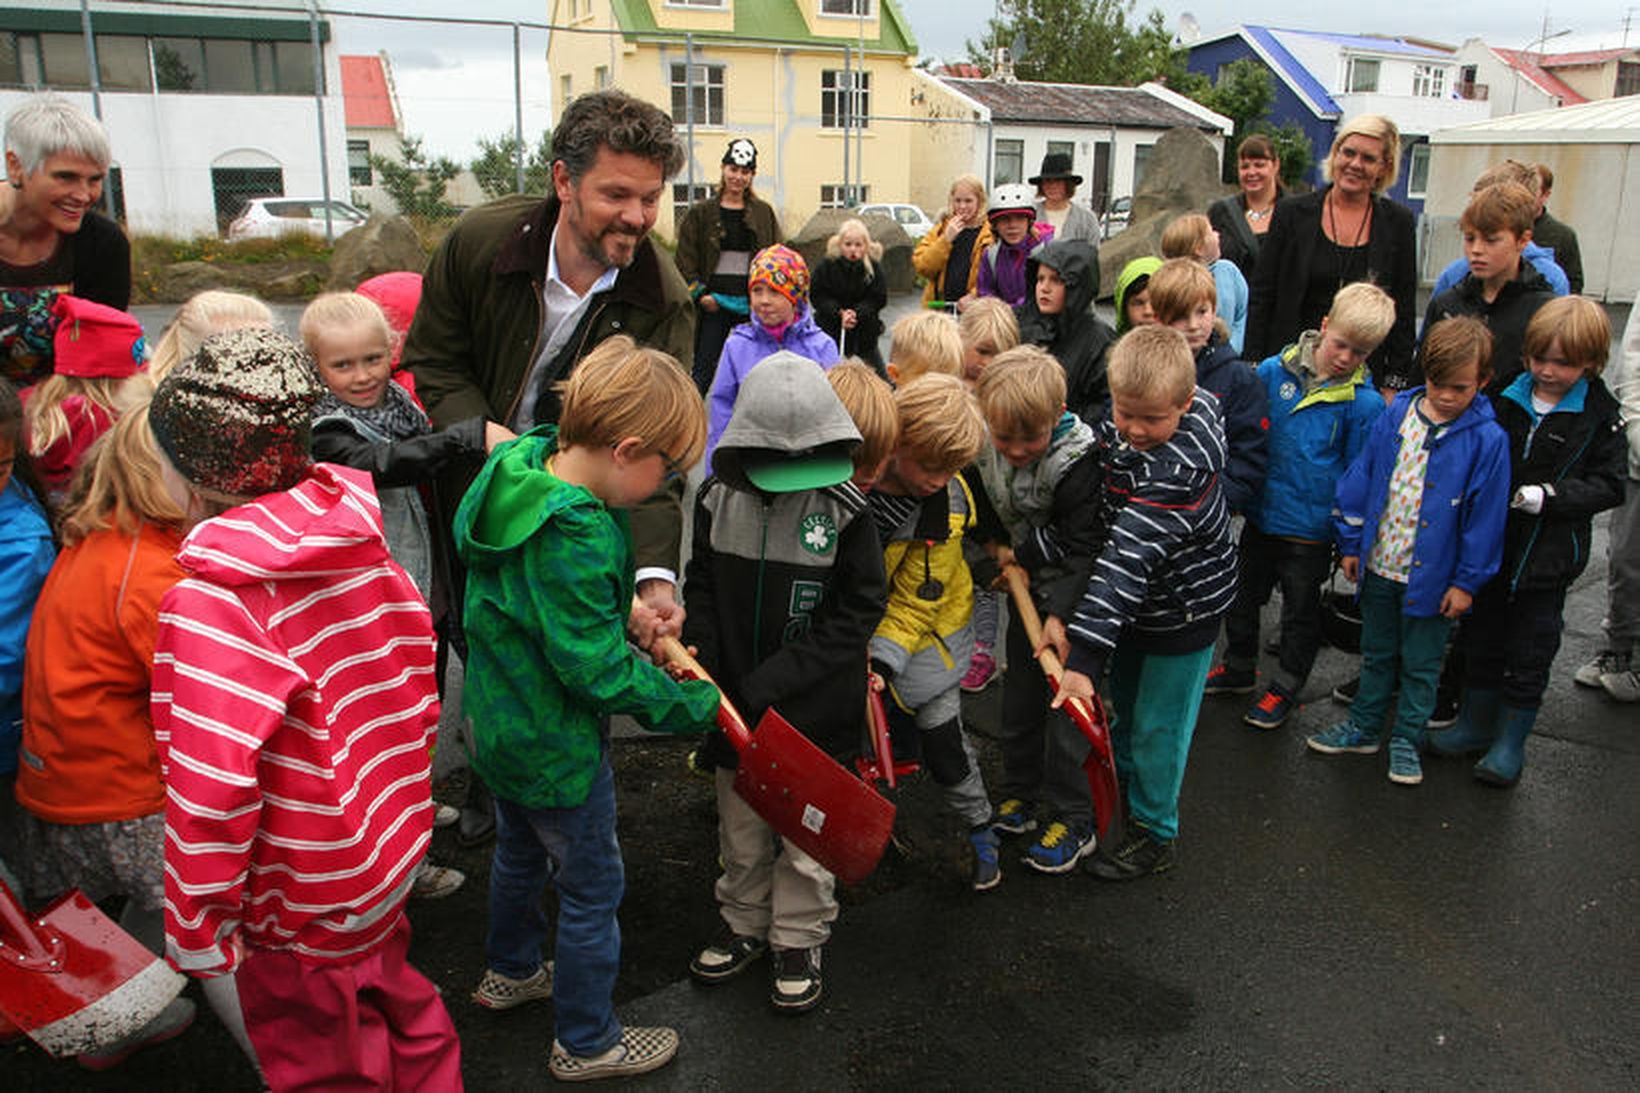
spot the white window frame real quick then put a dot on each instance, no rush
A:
(843, 195)
(1428, 81)
(1011, 148)
(854, 7)
(1362, 63)
(709, 86)
(851, 104)
(1418, 165)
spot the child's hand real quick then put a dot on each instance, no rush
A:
(1054, 637)
(876, 682)
(965, 300)
(1001, 554)
(708, 303)
(1456, 602)
(655, 613)
(848, 317)
(496, 433)
(1351, 565)
(680, 671)
(1072, 685)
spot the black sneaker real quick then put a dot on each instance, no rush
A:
(1139, 855)
(797, 986)
(1344, 693)
(1225, 680)
(727, 956)
(1445, 713)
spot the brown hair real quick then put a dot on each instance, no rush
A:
(622, 389)
(1184, 235)
(1152, 362)
(1453, 344)
(1505, 207)
(1257, 146)
(1023, 390)
(1509, 170)
(1580, 326)
(869, 400)
(1546, 178)
(940, 423)
(1178, 286)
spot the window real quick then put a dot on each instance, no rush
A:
(63, 56)
(114, 193)
(1428, 81)
(845, 7)
(683, 197)
(1066, 148)
(834, 196)
(1418, 170)
(122, 62)
(600, 77)
(1628, 78)
(229, 67)
(845, 99)
(1141, 160)
(1363, 75)
(695, 3)
(1008, 164)
(566, 91)
(179, 64)
(697, 94)
(232, 187)
(358, 163)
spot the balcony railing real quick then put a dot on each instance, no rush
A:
(1475, 91)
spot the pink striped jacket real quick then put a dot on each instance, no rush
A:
(294, 706)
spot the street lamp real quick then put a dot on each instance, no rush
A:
(1545, 37)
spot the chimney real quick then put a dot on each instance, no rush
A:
(1002, 65)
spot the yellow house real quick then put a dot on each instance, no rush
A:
(820, 86)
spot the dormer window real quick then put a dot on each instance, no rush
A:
(1362, 76)
(846, 7)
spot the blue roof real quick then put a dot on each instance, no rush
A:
(1371, 43)
(1297, 76)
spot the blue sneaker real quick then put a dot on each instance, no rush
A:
(1405, 768)
(1271, 710)
(1014, 817)
(987, 863)
(1060, 848)
(1343, 737)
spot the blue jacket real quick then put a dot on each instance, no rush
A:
(26, 554)
(1541, 258)
(1246, 413)
(1314, 437)
(745, 347)
(1464, 507)
(1231, 287)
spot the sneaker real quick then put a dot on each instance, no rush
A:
(727, 956)
(1343, 737)
(435, 881)
(1225, 680)
(1623, 686)
(982, 669)
(1404, 766)
(797, 986)
(1060, 848)
(1610, 661)
(1014, 817)
(638, 1051)
(1344, 693)
(1139, 856)
(445, 815)
(1445, 713)
(987, 863)
(697, 764)
(1271, 710)
(501, 992)
(171, 1022)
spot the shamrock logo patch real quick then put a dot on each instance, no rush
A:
(819, 533)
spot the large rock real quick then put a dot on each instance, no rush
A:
(382, 244)
(288, 280)
(810, 242)
(1182, 176)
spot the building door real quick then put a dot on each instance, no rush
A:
(1099, 196)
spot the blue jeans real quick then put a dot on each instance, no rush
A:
(576, 849)
(1388, 634)
(1154, 702)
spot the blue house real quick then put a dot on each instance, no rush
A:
(1320, 80)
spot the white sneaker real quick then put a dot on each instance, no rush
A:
(1623, 686)
(638, 1051)
(1609, 661)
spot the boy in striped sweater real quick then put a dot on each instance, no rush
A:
(1164, 579)
(293, 706)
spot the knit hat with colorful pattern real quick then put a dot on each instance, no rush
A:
(783, 270)
(235, 418)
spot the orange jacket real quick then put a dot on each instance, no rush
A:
(88, 741)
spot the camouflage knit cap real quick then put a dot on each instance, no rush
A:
(783, 270)
(236, 417)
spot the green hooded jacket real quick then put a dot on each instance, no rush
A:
(549, 589)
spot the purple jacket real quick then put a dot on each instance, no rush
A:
(748, 344)
(1002, 266)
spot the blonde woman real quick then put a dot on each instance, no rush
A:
(848, 292)
(948, 256)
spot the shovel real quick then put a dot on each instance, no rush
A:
(1089, 716)
(73, 980)
(799, 790)
(881, 765)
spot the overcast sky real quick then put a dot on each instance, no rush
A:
(456, 83)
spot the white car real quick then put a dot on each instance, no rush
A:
(910, 217)
(1116, 217)
(267, 217)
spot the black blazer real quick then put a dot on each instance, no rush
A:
(1283, 270)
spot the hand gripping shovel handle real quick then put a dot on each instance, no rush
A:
(1088, 716)
(728, 718)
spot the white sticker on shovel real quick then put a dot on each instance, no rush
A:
(813, 818)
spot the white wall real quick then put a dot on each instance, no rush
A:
(1414, 115)
(1508, 92)
(1127, 141)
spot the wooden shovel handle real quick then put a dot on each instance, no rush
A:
(728, 718)
(1020, 585)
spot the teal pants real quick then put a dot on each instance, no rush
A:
(1155, 700)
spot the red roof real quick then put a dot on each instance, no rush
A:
(366, 101)
(1587, 57)
(1527, 65)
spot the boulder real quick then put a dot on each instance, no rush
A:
(1181, 176)
(810, 242)
(289, 280)
(382, 244)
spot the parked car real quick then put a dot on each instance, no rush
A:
(910, 217)
(1116, 217)
(266, 217)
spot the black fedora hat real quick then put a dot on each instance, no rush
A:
(1056, 165)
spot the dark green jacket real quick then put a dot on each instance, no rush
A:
(700, 237)
(549, 588)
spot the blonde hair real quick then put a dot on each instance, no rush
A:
(1023, 390)
(1363, 313)
(1455, 343)
(1375, 127)
(967, 182)
(1510, 170)
(1152, 362)
(869, 400)
(203, 314)
(343, 309)
(120, 484)
(1580, 326)
(1184, 235)
(988, 320)
(1178, 286)
(622, 389)
(940, 423)
(44, 422)
(874, 249)
(923, 342)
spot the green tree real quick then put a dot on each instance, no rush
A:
(1293, 146)
(415, 182)
(1243, 94)
(1082, 41)
(496, 170)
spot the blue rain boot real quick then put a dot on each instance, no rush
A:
(1501, 765)
(1476, 729)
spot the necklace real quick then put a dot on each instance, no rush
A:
(1255, 215)
(1344, 253)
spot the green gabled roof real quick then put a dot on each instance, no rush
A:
(769, 21)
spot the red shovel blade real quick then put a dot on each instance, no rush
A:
(1100, 764)
(73, 980)
(804, 794)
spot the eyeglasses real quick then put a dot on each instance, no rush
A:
(1349, 152)
(674, 469)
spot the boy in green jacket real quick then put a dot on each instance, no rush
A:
(549, 604)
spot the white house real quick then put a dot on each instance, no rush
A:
(205, 107)
(1510, 81)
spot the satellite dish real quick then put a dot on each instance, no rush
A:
(1017, 50)
(1189, 29)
